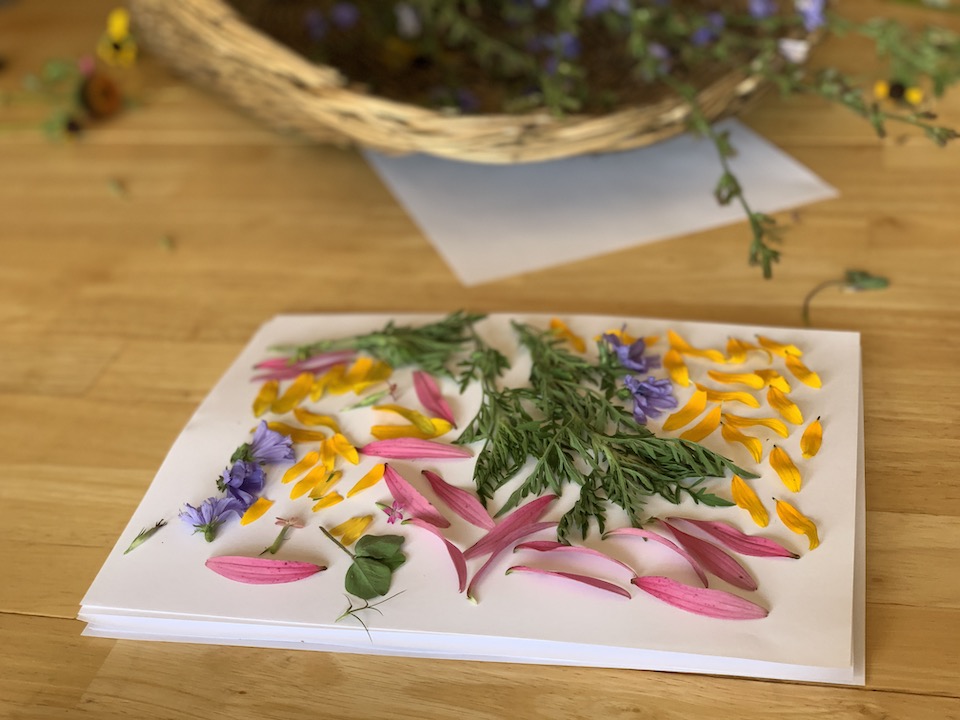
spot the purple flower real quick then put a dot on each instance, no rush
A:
(632, 356)
(812, 12)
(344, 15)
(210, 515)
(762, 8)
(650, 397)
(394, 512)
(269, 446)
(315, 25)
(708, 33)
(595, 7)
(243, 482)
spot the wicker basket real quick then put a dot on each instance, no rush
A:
(210, 43)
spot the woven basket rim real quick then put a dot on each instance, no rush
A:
(216, 37)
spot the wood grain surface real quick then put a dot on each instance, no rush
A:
(119, 313)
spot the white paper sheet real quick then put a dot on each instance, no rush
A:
(490, 222)
(163, 591)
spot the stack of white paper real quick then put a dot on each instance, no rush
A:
(162, 590)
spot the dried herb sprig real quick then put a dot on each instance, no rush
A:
(572, 422)
(431, 347)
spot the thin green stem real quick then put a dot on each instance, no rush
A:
(337, 542)
(805, 313)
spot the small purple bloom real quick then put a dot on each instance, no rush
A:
(595, 7)
(210, 515)
(243, 482)
(632, 356)
(762, 8)
(812, 12)
(708, 33)
(394, 512)
(315, 24)
(344, 15)
(650, 397)
(269, 446)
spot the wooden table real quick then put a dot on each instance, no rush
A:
(120, 311)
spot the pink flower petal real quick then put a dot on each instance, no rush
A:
(714, 559)
(411, 500)
(554, 546)
(522, 516)
(739, 541)
(283, 363)
(261, 571)
(702, 601)
(463, 503)
(430, 396)
(656, 537)
(505, 542)
(455, 555)
(413, 449)
(585, 579)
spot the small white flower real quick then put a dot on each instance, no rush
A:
(794, 50)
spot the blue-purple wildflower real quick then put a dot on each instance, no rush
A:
(812, 13)
(344, 15)
(761, 9)
(243, 481)
(633, 356)
(595, 7)
(210, 515)
(708, 33)
(650, 397)
(269, 446)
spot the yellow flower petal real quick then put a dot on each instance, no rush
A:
(256, 511)
(624, 337)
(559, 328)
(377, 373)
(788, 472)
(685, 415)
(752, 444)
(685, 348)
(342, 447)
(772, 377)
(309, 481)
(327, 501)
(328, 454)
(304, 464)
(798, 522)
(305, 417)
(118, 24)
(729, 396)
(297, 435)
(391, 432)
(369, 480)
(673, 362)
(811, 439)
(751, 380)
(802, 373)
(779, 348)
(913, 95)
(333, 376)
(739, 421)
(293, 395)
(324, 486)
(709, 423)
(351, 530)
(266, 396)
(784, 405)
(421, 421)
(737, 350)
(746, 498)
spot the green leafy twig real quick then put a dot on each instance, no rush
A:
(145, 535)
(353, 612)
(855, 280)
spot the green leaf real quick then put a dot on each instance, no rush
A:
(862, 280)
(379, 547)
(368, 578)
(713, 500)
